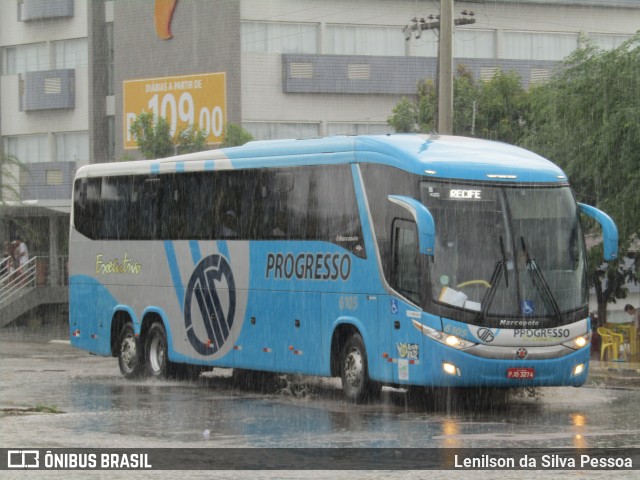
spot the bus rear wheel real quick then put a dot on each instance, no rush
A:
(129, 358)
(354, 371)
(156, 351)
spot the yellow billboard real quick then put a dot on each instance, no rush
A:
(185, 100)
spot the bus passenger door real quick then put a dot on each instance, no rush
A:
(403, 341)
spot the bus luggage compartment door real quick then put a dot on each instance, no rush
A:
(255, 347)
(297, 324)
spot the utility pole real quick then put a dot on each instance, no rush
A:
(444, 23)
(445, 69)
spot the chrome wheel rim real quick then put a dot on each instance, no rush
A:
(128, 353)
(353, 368)
(156, 354)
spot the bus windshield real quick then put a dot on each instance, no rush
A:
(506, 251)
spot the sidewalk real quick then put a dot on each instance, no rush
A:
(614, 374)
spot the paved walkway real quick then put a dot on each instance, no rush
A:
(619, 373)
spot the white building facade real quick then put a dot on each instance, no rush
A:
(288, 69)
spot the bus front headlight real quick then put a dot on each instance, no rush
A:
(438, 336)
(578, 342)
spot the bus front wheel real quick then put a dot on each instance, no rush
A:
(129, 358)
(156, 351)
(354, 371)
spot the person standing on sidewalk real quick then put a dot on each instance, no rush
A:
(22, 258)
(635, 313)
(22, 252)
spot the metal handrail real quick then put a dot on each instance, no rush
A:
(4, 264)
(12, 283)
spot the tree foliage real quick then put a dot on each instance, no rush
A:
(493, 109)
(191, 139)
(587, 119)
(404, 117)
(235, 136)
(501, 108)
(152, 135)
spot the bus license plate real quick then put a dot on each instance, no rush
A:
(520, 373)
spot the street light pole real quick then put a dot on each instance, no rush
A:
(444, 23)
(445, 69)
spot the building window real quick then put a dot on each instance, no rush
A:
(426, 45)
(266, 37)
(28, 148)
(281, 130)
(110, 70)
(608, 42)
(72, 147)
(71, 53)
(538, 46)
(365, 40)
(474, 43)
(25, 58)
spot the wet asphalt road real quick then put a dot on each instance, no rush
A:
(91, 405)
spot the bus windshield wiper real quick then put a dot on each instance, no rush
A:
(500, 269)
(504, 264)
(539, 280)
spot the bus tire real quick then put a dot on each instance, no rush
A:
(129, 355)
(354, 371)
(157, 361)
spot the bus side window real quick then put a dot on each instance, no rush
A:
(280, 212)
(115, 201)
(404, 267)
(333, 214)
(226, 213)
(87, 209)
(139, 197)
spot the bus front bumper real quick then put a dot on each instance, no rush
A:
(447, 367)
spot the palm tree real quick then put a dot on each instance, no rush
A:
(8, 178)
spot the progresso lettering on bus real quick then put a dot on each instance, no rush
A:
(308, 266)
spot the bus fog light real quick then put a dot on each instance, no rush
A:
(578, 369)
(451, 369)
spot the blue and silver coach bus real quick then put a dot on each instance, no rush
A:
(402, 260)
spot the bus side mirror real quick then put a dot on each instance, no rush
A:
(423, 219)
(609, 230)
